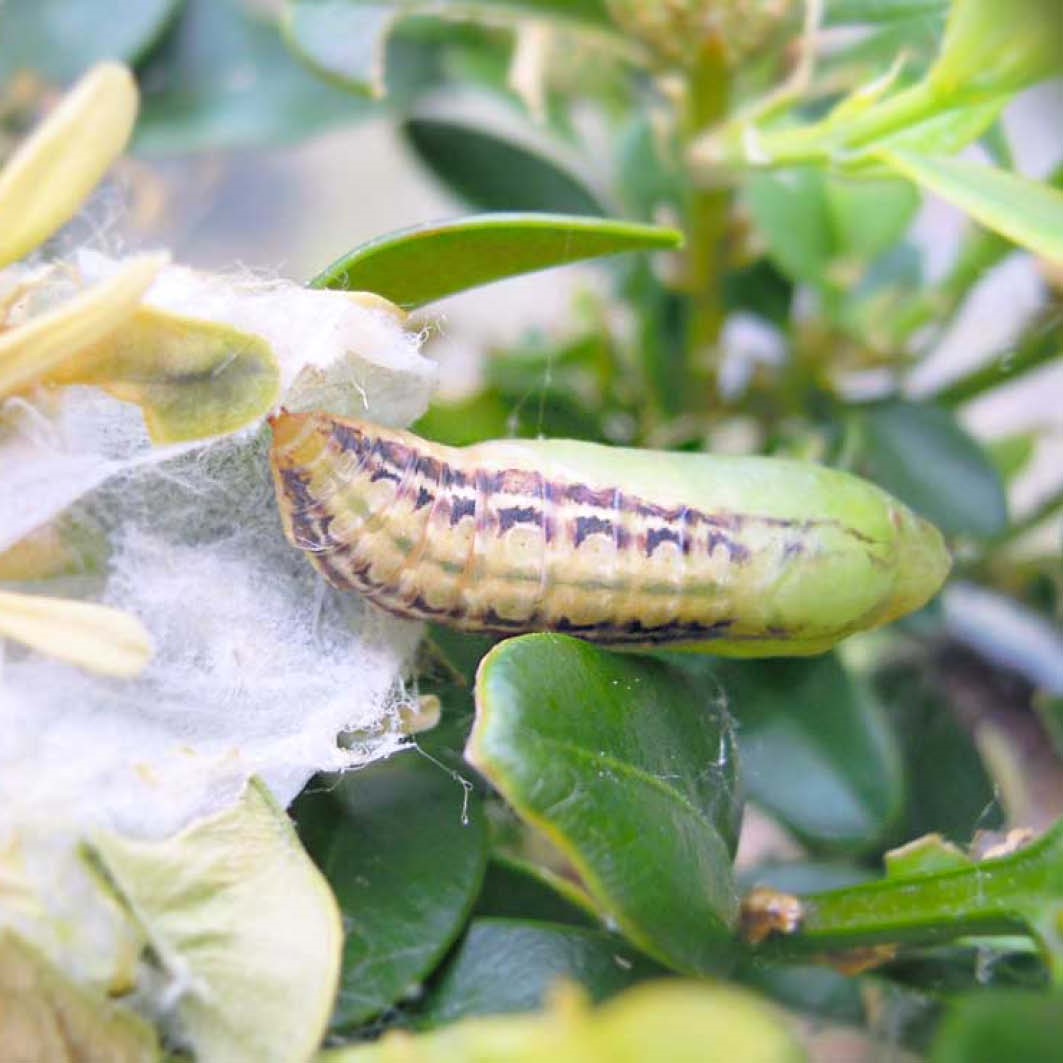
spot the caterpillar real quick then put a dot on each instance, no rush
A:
(744, 556)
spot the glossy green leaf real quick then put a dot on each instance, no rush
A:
(1002, 1025)
(222, 78)
(630, 770)
(428, 262)
(1025, 211)
(403, 846)
(515, 889)
(346, 40)
(821, 229)
(490, 172)
(920, 453)
(511, 965)
(61, 39)
(817, 751)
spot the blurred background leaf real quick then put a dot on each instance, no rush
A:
(490, 172)
(920, 453)
(60, 39)
(222, 78)
(817, 751)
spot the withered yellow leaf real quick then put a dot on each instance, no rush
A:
(61, 162)
(31, 351)
(243, 922)
(191, 378)
(45, 1016)
(95, 637)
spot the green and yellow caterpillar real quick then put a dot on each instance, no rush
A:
(743, 556)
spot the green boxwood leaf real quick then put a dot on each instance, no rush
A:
(790, 210)
(809, 988)
(817, 751)
(428, 262)
(1028, 212)
(61, 39)
(819, 228)
(949, 790)
(920, 453)
(403, 847)
(448, 671)
(222, 78)
(1005, 1024)
(513, 889)
(630, 770)
(808, 876)
(492, 173)
(346, 40)
(510, 965)
(647, 179)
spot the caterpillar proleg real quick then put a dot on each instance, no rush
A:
(745, 556)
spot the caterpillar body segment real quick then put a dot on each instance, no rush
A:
(741, 556)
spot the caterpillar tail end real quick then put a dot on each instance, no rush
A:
(924, 563)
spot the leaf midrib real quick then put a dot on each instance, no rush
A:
(625, 768)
